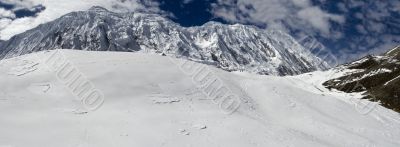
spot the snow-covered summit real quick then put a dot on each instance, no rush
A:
(230, 47)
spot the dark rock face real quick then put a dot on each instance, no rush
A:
(230, 47)
(379, 76)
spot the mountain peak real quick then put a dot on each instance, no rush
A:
(230, 47)
(98, 9)
(393, 52)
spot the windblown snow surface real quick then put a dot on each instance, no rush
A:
(149, 101)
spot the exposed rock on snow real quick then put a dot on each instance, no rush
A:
(377, 76)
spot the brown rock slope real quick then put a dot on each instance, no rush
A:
(378, 76)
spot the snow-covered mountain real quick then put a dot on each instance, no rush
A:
(230, 47)
(377, 76)
(150, 100)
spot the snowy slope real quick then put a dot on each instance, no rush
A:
(150, 101)
(230, 47)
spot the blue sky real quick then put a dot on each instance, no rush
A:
(348, 28)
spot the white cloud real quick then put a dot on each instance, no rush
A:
(342, 7)
(302, 3)
(57, 8)
(370, 18)
(359, 15)
(18, 4)
(6, 13)
(286, 15)
(319, 19)
(356, 3)
(4, 23)
(361, 29)
(279, 14)
(187, 1)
